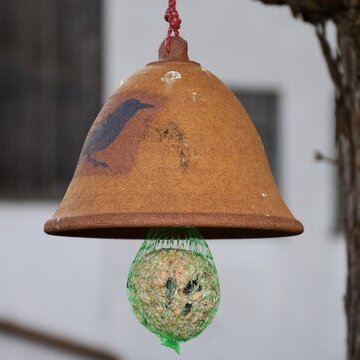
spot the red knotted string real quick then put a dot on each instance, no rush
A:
(172, 17)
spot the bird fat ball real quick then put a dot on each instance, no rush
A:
(174, 289)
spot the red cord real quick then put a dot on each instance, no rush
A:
(172, 17)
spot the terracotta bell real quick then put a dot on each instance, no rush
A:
(173, 147)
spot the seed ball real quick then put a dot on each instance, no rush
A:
(174, 293)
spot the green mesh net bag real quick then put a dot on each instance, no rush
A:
(173, 285)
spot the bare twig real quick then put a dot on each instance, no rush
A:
(54, 341)
(332, 60)
(319, 156)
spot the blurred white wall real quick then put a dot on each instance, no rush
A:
(281, 299)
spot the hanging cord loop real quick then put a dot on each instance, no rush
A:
(172, 17)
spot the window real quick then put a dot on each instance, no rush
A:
(262, 106)
(50, 92)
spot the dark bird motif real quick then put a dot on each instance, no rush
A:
(110, 128)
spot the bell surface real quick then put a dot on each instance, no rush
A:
(173, 147)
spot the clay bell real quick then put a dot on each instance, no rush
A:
(173, 147)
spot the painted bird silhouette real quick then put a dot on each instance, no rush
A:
(109, 129)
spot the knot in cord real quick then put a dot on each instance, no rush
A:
(172, 17)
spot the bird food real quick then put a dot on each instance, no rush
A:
(173, 285)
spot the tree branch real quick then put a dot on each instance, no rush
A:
(315, 11)
(333, 61)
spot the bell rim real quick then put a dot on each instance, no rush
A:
(211, 225)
